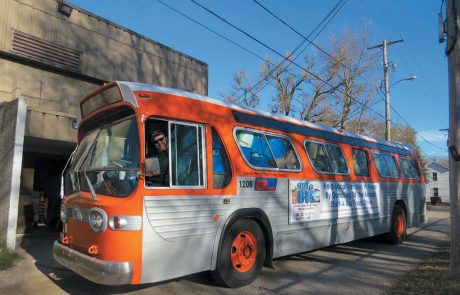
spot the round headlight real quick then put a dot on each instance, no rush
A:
(97, 219)
(63, 213)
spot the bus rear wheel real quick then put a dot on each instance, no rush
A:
(398, 231)
(241, 255)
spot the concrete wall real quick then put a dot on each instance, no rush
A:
(107, 51)
(12, 124)
(52, 99)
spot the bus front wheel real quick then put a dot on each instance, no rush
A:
(397, 232)
(241, 255)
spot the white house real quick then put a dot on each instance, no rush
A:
(437, 182)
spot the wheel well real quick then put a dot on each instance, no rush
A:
(262, 220)
(401, 204)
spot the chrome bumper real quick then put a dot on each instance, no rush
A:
(95, 270)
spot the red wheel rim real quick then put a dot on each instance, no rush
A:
(244, 251)
(399, 226)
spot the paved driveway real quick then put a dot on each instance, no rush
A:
(360, 267)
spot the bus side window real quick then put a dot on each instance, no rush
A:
(222, 172)
(326, 157)
(255, 149)
(284, 153)
(360, 163)
(410, 169)
(386, 165)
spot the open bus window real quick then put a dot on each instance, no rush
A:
(222, 172)
(157, 153)
(386, 165)
(410, 169)
(174, 154)
(360, 163)
(326, 157)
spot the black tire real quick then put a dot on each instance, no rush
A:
(398, 230)
(234, 275)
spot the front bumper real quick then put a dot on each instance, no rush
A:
(95, 270)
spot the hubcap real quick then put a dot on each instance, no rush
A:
(243, 252)
(399, 225)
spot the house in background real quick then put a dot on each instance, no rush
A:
(437, 182)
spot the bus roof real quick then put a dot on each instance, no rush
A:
(124, 85)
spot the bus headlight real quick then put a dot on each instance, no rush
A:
(63, 213)
(97, 219)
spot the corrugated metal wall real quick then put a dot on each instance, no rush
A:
(107, 51)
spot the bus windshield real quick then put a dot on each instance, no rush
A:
(106, 160)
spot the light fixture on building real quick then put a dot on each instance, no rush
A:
(64, 8)
(74, 123)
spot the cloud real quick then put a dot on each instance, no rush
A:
(432, 135)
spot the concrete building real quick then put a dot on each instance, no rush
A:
(51, 54)
(437, 182)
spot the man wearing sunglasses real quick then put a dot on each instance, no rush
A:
(160, 145)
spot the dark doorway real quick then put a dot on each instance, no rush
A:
(47, 181)
(41, 201)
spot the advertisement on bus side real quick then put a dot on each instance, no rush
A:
(320, 200)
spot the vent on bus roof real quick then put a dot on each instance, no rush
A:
(45, 51)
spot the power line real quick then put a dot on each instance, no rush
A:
(211, 30)
(327, 18)
(334, 10)
(277, 53)
(300, 34)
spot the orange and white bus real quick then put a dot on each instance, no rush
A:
(165, 183)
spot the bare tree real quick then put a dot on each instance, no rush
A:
(333, 88)
(354, 67)
(243, 90)
(285, 80)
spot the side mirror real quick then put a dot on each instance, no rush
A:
(152, 166)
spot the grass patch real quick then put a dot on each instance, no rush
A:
(429, 277)
(7, 256)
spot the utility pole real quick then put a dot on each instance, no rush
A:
(453, 60)
(384, 44)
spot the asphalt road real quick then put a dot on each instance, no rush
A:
(361, 267)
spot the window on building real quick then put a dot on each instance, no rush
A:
(326, 157)
(410, 168)
(386, 165)
(435, 192)
(435, 176)
(222, 172)
(263, 150)
(360, 163)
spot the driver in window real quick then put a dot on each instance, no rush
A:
(160, 177)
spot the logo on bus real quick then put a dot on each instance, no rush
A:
(305, 193)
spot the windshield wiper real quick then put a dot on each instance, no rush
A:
(91, 188)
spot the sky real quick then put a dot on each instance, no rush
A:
(422, 103)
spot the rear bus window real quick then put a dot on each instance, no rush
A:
(410, 168)
(326, 157)
(386, 165)
(270, 151)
